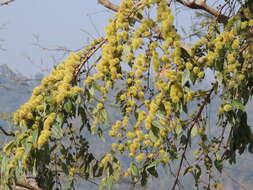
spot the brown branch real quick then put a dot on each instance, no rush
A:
(113, 7)
(194, 120)
(5, 132)
(109, 5)
(26, 185)
(6, 2)
(92, 51)
(203, 6)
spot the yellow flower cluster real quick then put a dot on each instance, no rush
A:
(72, 172)
(43, 138)
(58, 85)
(105, 160)
(19, 152)
(175, 93)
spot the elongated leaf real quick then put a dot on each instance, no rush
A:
(238, 105)
(57, 131)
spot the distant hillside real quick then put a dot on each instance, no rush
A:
(15, 89)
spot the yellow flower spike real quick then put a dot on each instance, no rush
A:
(120, 147)
(241, 77)
(227, 107)
(112, 133)
(100, 106)
(72, 172)
(43, 138)
(131, 154)
(244, 25)
(126, 174)
(162, 152)
(140, 157)
(201, 75)
(196, 70)
(189, 66)
(166, 160)
(130, 135)
(114, 146)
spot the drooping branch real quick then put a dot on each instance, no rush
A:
(194, 121)
(6, 2)
(201, 5)
(5, 132)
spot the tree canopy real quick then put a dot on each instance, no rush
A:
(144, 92)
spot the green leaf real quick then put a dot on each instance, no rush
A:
(152, 171)
(157, 124)
(104, 116)
(135, 170)
(139, 14)
(4, 169)
(35, 134)
(160, 115)
(237, 105)
(185, 54)
(64, 168)
(68, 106)
(197, 173)
(152, 164)
(152, 136)
(178, 130)
(194, 130)
(57, 131)
(218, 165)
(185, 77)
(144, 178)
(109, 182)
(9, 145)
(188, 170)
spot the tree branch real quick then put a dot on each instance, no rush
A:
(113, 7)
(24, 185)
(194, 121)
(6, 2)
(109, 5)
(5, 132)
(203, 6)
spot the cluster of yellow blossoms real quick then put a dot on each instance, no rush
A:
(154, 114)
(166, 60)
(44, 106)
(110, 69)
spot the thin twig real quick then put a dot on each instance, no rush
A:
(194, 120)
(6, 133)
(6, 2)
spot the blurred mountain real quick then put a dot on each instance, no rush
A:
(15, 89)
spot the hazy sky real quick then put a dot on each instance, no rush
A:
(56, 23)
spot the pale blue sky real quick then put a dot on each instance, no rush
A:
(56, 22)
